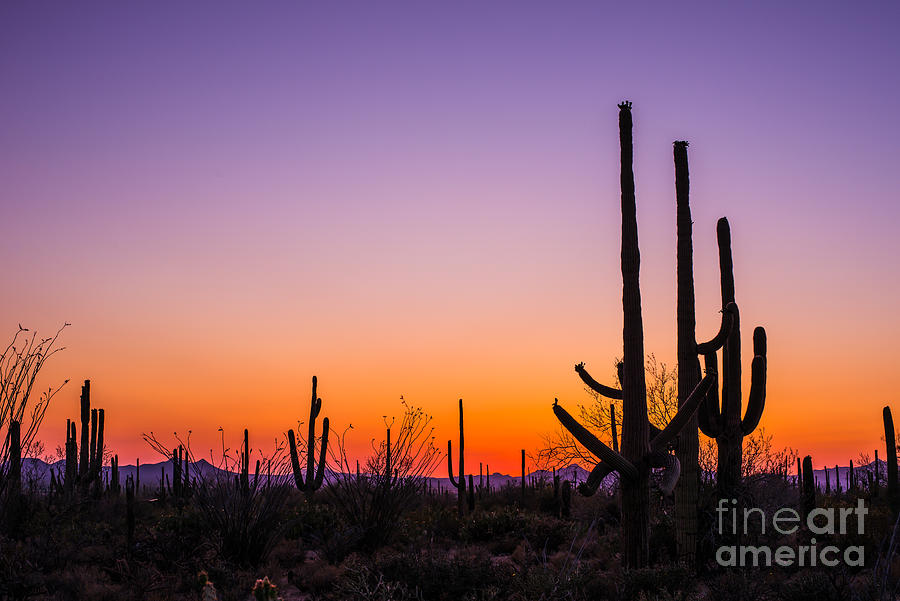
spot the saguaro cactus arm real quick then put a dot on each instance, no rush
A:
(453, 480)
(320, 472)
(683, 416)
(593, 444)
(756, 402)
(718, 341)
(601, 389)
(595, 479)
(671, 469)
(295, 460)
(709, 418)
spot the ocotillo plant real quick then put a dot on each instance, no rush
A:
(460, 484)
(725, 423)
(638, 452)
(314, 475)
(891, 458)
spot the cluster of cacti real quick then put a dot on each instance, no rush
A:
(84, 465)
(460, 484)
(638, 452)
(181, 481)
(314, 476)
(725, 423)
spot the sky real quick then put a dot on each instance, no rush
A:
(421, 200)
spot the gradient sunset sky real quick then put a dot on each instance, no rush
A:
(422, 199)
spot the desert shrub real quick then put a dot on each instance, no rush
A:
(438, 575)
(739, 585)
(821, 585)
(671, 579)
(372, 501)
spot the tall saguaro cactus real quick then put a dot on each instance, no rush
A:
(639, 452)
(724, 423)
(688, 446)
(314, 475)
(460, 484)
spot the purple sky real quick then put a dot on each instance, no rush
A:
(352, 173)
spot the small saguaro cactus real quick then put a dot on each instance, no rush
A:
(890, 438)
(129, 511)
(851, 483)
(724, 423)
(245, 464)
(523, 473)
(827, 482)
(808, 496)
(566, 497)
(314, 475)
(459, 484)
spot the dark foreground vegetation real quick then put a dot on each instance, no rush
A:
(508, 547)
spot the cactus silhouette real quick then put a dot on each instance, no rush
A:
(639, 452)
(688, 444)
(83, 468)
(808, 493)
(314, 474)
(460, 484)
(724, 423)
(891, 459)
